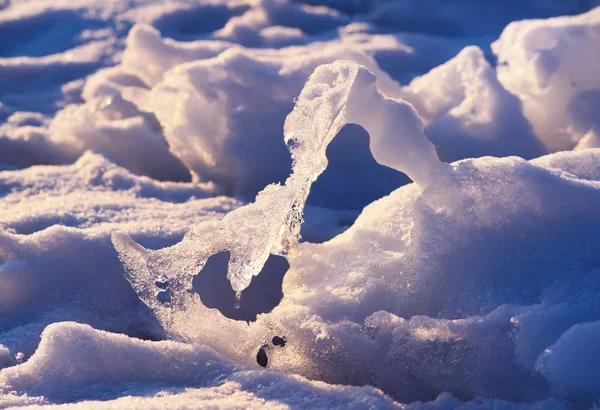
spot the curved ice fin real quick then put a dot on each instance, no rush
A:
(134, 258)
(335, 95)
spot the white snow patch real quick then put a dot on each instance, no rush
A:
(548, 64)
(475, 287)
(572, 364)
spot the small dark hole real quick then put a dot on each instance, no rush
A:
(261, 357)
(279, 341)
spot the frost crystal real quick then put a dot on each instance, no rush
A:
(335, 95)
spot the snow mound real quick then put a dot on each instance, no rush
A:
(547, 64)
(56, 259)
(582, 163)
(98, 358)
(120, 131)
(572, 363)
(244, 96)
(107, 364)
(468, 112)
(475, 286)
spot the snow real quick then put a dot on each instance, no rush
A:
(547, 64)
(67, 349)
(334, 96)
(469, 113)
(571, 362)
(406, 192)
(589, 140)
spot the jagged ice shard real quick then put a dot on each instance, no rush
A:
(335, 95)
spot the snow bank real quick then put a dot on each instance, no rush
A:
(469, 113)
(547, 64)
(572, 363)
(57, 262)
(477, 286)
(108, 361)
(108, 365)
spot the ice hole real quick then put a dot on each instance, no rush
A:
(335, 95)
(262, 296)
(351, 164)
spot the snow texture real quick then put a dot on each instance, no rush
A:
(547, 63)
(334, 96)
(406, 192)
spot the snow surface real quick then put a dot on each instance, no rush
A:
(265, 148)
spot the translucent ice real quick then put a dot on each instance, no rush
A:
(494, 298)
(336, 94)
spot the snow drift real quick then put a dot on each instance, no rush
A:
(475, 286)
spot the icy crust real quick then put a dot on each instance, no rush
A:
(583, 163)
(380, 304)
(350, 304)
(57, 262)
(548, 64)
(108, 365)
(335, 95)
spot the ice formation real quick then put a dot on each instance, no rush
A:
(397, 301)
(335, 95)
(475, 287)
